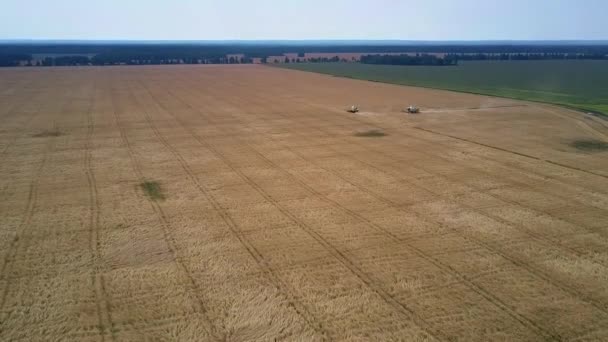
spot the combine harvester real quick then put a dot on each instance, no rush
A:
(412, 110)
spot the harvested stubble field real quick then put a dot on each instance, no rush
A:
(242, 203)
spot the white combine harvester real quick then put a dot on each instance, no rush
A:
(412, 110)
(353, 109)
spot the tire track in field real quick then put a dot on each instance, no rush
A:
(101, 297)
(271, 274)
(169, 239)
(497, 302)
(371, 283)
(30, 209)
(512, 152)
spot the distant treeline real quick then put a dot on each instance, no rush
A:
(193, 50)
(13, 59)
(45, 54)
(422, 59)
(524, 56)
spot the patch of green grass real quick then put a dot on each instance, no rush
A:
(153, 189)
(373, 133)
(590, 145)
(581, 84)
(43, 134)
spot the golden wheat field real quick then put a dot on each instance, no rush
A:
(243, 203)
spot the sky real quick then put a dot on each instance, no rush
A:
(306, 19)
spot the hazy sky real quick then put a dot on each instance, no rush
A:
(307, 19)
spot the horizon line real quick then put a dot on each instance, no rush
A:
(297, 40)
